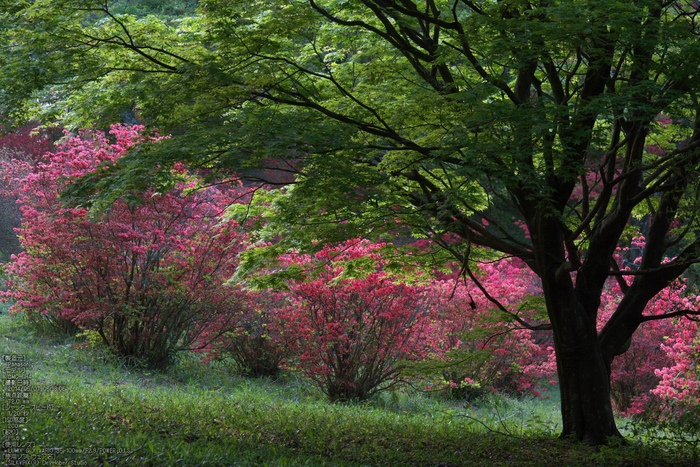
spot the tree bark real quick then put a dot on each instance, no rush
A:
(585, 389)
(583, 376)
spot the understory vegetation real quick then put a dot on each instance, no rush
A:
(89, 410)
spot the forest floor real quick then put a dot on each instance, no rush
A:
(83, 409)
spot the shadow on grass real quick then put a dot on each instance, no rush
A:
(86, 410)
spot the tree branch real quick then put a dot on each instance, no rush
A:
(693, 315)
(499, 305)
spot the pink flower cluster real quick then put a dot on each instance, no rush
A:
(657, 374)
(354, 328)
(480, 343)
(146, 275)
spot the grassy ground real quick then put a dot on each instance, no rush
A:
(84, 411)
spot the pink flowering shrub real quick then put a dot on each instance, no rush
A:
(26, 143)
(258, 344)
(147, 276)
(637, 375)
(679, 383)
(478, 348)
(352, 331)
(634, 373)
(675, 413)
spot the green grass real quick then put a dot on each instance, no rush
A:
(91, 412)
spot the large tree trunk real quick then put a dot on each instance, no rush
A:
(583, 377)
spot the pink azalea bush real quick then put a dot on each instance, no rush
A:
(259, 344)
(637, 375)
(672, 406)
(634, 373)
(480, 348)
(147, 276)
(680, 381)
(352, 331)
(26, 143)
(679, 385)
(354, 328)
